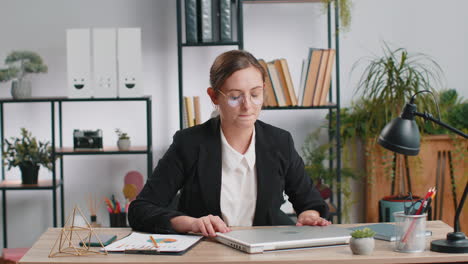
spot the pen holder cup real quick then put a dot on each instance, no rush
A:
(118, 219)
(410, 232)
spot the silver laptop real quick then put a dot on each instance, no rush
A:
(273, 238)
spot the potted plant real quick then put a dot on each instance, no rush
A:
(386, 84)
(362, 241)
(27, 153)
(123, 143)
(316, 155)
(20, 63)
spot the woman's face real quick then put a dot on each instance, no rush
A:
(240, 99)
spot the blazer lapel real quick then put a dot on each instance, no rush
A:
(266, 168)
(209, 169)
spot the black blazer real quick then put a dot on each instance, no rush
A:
(192, 164)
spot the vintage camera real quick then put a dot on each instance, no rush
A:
(87, 139)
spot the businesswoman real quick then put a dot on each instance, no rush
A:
(231, 170)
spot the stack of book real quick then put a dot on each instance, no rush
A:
(314, 85)
(191, 115)
(208, 20)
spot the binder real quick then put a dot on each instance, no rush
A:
(191, 34)
(205, 21)
(79, 63)
(105, 62)
(225, 20)
(129, 62)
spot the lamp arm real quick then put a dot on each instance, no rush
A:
(456, 225)
(429, 117)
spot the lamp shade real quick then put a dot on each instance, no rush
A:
(401, 135)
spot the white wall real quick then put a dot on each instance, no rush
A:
(271, 31)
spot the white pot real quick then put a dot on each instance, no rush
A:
(362, 246)
(21, 89)
(123, 144)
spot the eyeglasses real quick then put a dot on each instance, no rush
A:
(235, 98)
(411, 205)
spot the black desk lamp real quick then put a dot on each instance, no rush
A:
(401, 135)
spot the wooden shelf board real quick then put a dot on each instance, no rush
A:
(105, 150)
(16, 185)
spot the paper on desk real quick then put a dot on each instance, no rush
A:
(142, 241)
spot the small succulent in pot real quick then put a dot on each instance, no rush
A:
(362, 241)
(123, 143)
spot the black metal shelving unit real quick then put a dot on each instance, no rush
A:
(332, 30)
(60, 152)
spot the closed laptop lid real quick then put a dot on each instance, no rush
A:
(287, 237)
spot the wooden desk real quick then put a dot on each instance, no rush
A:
(209, 251)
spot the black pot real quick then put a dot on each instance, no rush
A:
(29, 174)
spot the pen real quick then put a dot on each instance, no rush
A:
(430, 193)
(154, 242)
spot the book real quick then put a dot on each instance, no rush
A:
(305, 67)
(289, 83)
(270, 97)
(315, 56)
(327, 80)
(196, 107)
(184, 114)
(140, 243)
(275, 82)
(189, 108)
(320, 78)
(282, 79)
(191, 34)
(384, 231)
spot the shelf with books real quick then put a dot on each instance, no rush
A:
(57, 179)
(315, 93)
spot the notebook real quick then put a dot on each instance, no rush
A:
(140, 243)
(384, 231)
(259, 240)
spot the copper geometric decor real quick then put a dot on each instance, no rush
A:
(74, 238)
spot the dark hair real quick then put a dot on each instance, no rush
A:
(228, 63)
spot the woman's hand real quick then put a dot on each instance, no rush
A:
(206, 225)
(311, 218)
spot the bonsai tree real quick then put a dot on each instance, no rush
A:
(27, 153)
(20, 63)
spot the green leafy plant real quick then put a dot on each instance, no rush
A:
(363, 233)
(453, 111)
(20, 63)
(121, 135)
(315, 156)
(388, 82)
(27, 151)
(345, 7)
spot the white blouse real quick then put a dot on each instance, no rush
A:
(238, 184)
